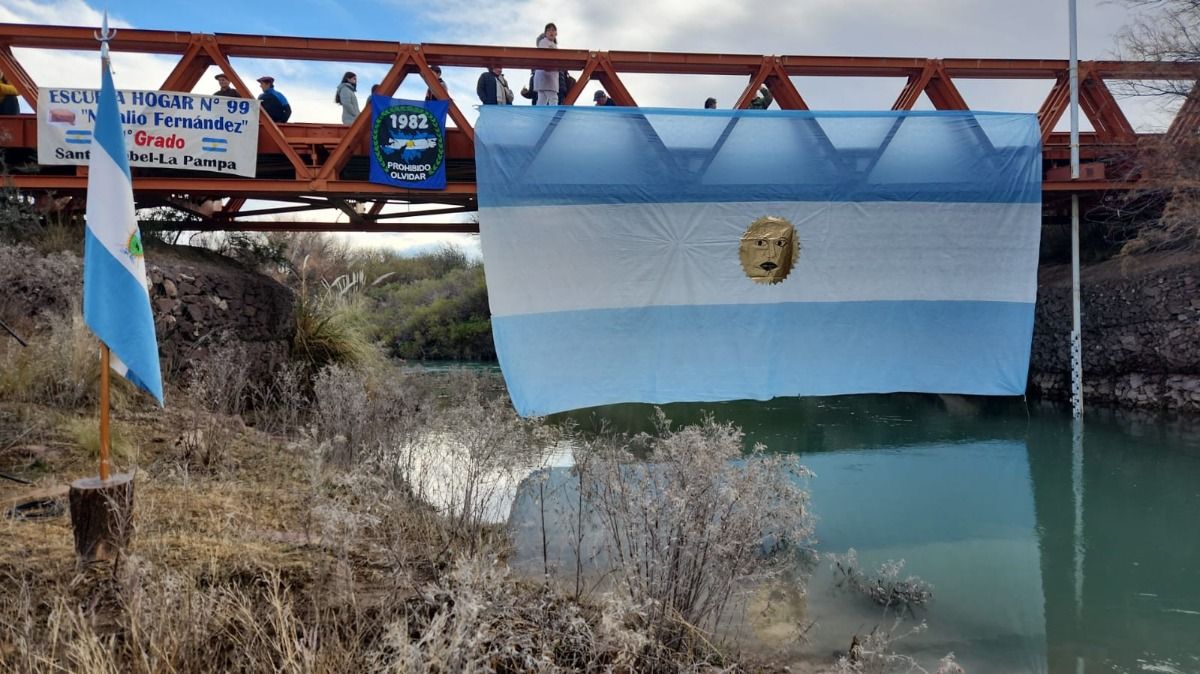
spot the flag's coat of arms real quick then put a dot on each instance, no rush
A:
(133, 247)
(617, 243)
(768, 250)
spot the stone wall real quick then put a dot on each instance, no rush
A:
(1141, 333)
(203, 301)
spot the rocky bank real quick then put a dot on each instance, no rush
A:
(1141, 333)
(201, 300)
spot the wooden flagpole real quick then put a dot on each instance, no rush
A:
(105, 366)
(102, 506)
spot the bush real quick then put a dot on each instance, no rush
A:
(885, 587)
(445, 318)
(329, 331)
(688, 520)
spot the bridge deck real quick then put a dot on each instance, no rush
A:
(323, 166)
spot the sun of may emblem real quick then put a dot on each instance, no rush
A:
(769, 249)
(133, 247)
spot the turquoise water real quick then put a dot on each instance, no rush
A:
(1045, 555)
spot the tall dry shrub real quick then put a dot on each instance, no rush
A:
(485, 449)
(446, 440)
(217, 394)
(359, 413)
(60, 367)
(280, 403)
(689, 520)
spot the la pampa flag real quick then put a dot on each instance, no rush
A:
(686, 255)
(116, 301)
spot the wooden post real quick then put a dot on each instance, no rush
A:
(102, 517)
(102, 508)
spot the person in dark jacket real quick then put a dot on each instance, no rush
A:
(565, 83)
(602, 98)
(763, 101)
(10, 104)
(274, 103)
(437, 70)
(225, 90)
(492, 88)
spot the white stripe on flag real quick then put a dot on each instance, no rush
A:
(110, 215)
(681, 254)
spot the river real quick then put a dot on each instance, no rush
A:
(1045, 555)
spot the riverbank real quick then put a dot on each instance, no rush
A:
(291, 513)
(324, 541)
(1141, 333)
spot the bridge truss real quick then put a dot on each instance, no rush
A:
(322, 168)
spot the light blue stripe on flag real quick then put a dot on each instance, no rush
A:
(615, 241)
(540, 155)
(568, 360)
(116, 302)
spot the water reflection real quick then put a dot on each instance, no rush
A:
(1043, 558)
(1121, 570)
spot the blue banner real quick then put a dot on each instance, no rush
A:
(408, 143)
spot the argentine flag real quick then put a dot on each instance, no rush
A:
(699, 255)
(116, 301)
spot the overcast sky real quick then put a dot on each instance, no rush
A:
(916, 28)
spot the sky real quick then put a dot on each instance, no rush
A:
(915, 28)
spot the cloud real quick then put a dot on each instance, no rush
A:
(925, 28)
(57, 12)
(80, 69)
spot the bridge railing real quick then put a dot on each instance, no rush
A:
(308, 162)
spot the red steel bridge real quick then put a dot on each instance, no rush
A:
(322, 167)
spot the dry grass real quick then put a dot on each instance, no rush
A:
(290, 554)
(59, 367)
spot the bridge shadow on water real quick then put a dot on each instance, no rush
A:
(1044, 557)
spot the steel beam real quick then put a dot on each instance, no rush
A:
(333, 226)
(317, 154)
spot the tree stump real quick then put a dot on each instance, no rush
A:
(102, 517)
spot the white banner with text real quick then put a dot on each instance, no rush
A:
(163, 129)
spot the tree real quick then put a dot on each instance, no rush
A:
(1169, 165)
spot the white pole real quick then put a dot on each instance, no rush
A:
(1076, 344)
(1076, 337)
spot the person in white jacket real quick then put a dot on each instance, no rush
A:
(348, 98)
(545, 82)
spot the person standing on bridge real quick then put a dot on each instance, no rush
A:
(347, 97)
(763, 101)
(492, 88)
(225, 90)
(437, 70)
(9, 105)
(546, 82)
(273, 103)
